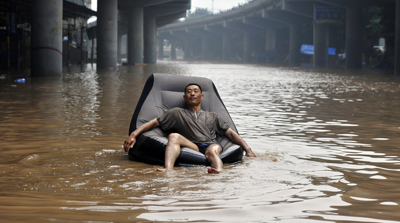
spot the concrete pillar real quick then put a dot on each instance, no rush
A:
(135, 36)
(354, 39)
(188, 49)
(270, 40)
(82, 45)
(294, 48)
(107, 38)
(397, 40)
(119, 43)
(160, 42)
(150, 39)
(173, 49)
(46, 55)
(247, 48)
(321, 44)
(205, 47)
(226, 44)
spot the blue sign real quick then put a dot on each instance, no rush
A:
(328, 15)
(309, 50)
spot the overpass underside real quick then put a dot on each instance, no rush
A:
(45, 30)
(138, 20)
(37, 34)
(269, 27)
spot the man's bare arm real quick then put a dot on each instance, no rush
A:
(131, 140)
(234, 137)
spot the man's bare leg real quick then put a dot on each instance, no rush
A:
(212, 155)
(175, 142)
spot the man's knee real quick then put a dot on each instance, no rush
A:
(213, 150)
(173, 137)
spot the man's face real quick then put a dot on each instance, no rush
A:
(193, 95)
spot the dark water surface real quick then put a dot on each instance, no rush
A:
(327, 145)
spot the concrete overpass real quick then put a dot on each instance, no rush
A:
(268, 16)
(43, 22)
(138, 19)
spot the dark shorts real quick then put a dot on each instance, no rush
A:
(204, 146)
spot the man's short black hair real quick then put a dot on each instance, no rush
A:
(201, 91)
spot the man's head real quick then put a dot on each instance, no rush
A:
(201, 91)
(193, 95)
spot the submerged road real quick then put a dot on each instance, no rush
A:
(326, 140)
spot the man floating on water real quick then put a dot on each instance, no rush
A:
(194, 128)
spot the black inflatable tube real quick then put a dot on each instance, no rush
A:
(156, 99)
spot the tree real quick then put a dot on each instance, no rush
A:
(198, 13)
(372, 17)
(388, 22)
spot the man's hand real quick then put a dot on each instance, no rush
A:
(249, 153)
(234, 137)
(131, 140)
(129, 143)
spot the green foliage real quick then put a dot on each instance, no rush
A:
(388, 21)
(198, 13)
(372, 17)
(379, 21)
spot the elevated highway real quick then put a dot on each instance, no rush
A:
(45, 19)
(268, 17)
(138, 19)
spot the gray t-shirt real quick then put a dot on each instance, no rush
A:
(204, 129)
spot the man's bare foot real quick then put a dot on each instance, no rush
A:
(213, 170)
(161, 169)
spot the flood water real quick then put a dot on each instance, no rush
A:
(327, 144)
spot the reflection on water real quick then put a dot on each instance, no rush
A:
(327, 146)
